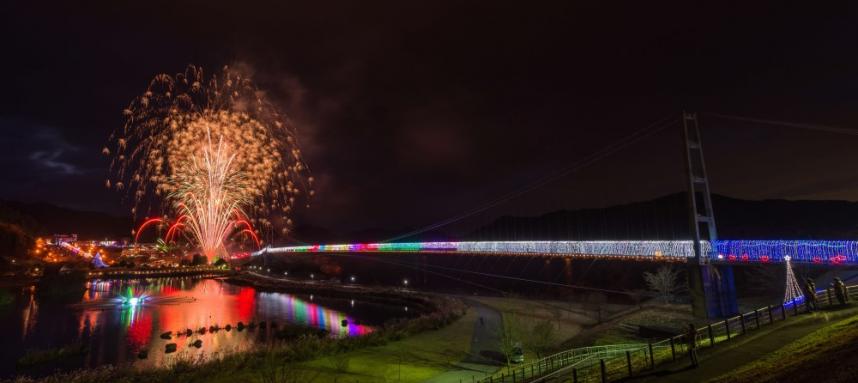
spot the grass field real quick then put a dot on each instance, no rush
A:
(414, 359)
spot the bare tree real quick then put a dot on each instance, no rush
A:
(509, 335)
(665, 281)
(543, 336)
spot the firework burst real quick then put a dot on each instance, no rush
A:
(213, 152)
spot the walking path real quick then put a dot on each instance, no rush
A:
(483, 358)
(744, 349)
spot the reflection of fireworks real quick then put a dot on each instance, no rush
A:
(216, 153)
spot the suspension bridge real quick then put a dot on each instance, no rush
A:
(709, 258)
(716, 252)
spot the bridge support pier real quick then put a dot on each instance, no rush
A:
(713, 290)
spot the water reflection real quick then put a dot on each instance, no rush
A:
(114, 333)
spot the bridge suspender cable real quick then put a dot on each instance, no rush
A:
(587, 161)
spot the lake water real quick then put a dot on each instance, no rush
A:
(114, 333)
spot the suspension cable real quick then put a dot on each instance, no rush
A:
(820, 128)
(587, 161)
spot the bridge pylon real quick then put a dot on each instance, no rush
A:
(713, 292)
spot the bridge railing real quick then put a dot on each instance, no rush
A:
(614, 362)
(721, 251)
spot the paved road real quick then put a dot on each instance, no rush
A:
(485, 347)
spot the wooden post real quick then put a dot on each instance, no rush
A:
(672, 349)
(727, 327)
(742, 322)
(757, 318)
(602, 368)
(574, 375)
(651, 357)
(711, 335)
(771, 320)
(828, 292)
(629, 362)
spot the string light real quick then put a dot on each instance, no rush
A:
(792, 291)
(721, 251)
(800, 251)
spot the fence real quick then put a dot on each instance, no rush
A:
(613, 362)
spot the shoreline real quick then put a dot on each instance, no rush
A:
(433, 313)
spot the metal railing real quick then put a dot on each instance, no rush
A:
(612, 362)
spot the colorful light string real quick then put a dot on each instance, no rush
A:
(720, 251)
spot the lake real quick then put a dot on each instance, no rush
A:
(113, 332)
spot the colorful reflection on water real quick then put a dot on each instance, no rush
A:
(115, 333)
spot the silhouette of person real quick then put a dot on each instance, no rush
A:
(810, 294)
(691, 339)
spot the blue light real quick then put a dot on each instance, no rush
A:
(726, 251)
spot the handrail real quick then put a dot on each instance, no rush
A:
(623, 359)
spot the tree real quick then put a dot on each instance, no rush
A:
(542, 337)
(509, 336)
(665, 281)
(199, 259)
(221, 263)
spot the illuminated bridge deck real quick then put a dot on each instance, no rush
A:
(721, 251)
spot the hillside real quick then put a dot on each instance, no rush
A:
(46, 219)
(667, 218)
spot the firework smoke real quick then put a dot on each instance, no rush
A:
(213, 152)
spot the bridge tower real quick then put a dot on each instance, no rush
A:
(713, 292)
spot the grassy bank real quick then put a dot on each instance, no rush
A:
(414, 359)
(419, 347)
(801, 348)
(828, 354)
(541, 326)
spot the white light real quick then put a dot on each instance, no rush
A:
(352, 278)
(133, 301)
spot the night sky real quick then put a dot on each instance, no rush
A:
(411, 112)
